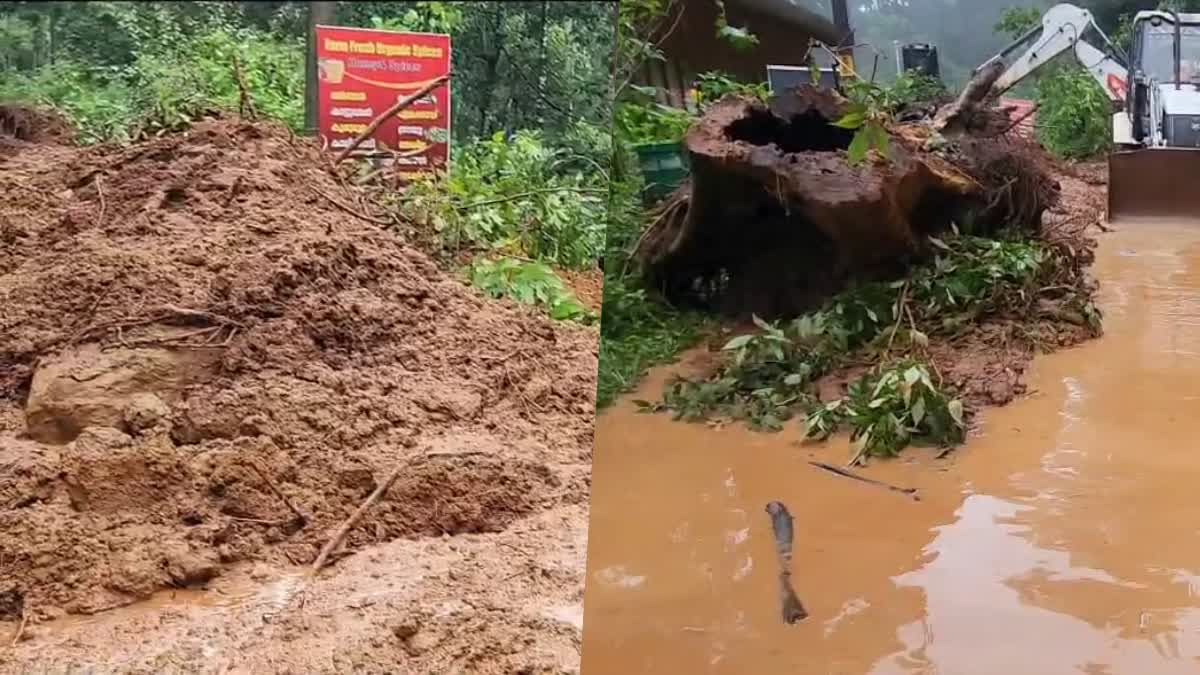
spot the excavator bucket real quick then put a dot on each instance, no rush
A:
(1157, 183)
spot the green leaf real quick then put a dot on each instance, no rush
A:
(737, 343)
(858, 149)
(912, 375)
(852, 120)
(794, 380)
(955, 408)
(939, 243)
(877, 138)
(740, 38)
(918, 411)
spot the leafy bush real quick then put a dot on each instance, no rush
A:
(515, 195)
(1074, 114)
(164, 90)
(767, 375)
(530, 283)
(715, 85)
(651, 122)
(890, 409)
(100, 110)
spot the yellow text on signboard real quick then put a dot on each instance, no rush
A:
(373, 48)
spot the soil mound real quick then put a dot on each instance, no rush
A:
(196, 325)
(34, 125)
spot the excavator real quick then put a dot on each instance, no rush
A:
(1154, 168)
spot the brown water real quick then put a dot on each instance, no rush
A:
(1063, 538)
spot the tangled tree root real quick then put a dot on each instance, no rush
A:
(775, 218)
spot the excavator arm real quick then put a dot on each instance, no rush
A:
(1063, 29)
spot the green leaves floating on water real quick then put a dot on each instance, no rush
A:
(889, 409)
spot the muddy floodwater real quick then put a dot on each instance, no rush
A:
(1064, 537)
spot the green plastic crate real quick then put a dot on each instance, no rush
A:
(664, 166)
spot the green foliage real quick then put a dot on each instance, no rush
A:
(1017, 21)
(769, 374)
(1074, 114)
(174, 58)
(638, 330)
(164, 90)
(651, 122)
(872, 107)
(889, 409)
(715, 85)
(424, 17)
(530, 283)
(738, 36)
(99, 111)
(516, 195)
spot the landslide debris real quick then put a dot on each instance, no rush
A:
(197, 320)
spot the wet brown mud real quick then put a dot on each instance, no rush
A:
(1062, 538)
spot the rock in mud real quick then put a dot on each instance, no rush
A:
(87, 387)
(145, 412)
(189, 568)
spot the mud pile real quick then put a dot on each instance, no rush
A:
(198, 335)
(39, 125)
(776, 218)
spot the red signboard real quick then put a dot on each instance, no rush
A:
(362, 73)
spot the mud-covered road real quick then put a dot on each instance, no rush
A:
(1061, 538)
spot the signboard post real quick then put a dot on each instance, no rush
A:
(361, 73)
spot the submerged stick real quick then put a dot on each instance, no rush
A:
(846, 473)
(781, 525)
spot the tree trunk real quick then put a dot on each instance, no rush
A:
(491, 68)
(319, 13)
(535, 102)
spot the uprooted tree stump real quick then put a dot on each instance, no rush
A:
(775, 219)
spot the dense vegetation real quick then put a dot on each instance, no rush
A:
(532, 107)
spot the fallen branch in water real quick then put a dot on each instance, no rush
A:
(845, 473)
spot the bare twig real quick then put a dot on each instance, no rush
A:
(245, 101)
(100, 191)
(399, 105)
(912, 492)
(901, 305)
(300, 517)
(347, 209)
(340, 533)
(20, 629)
(233, 190)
